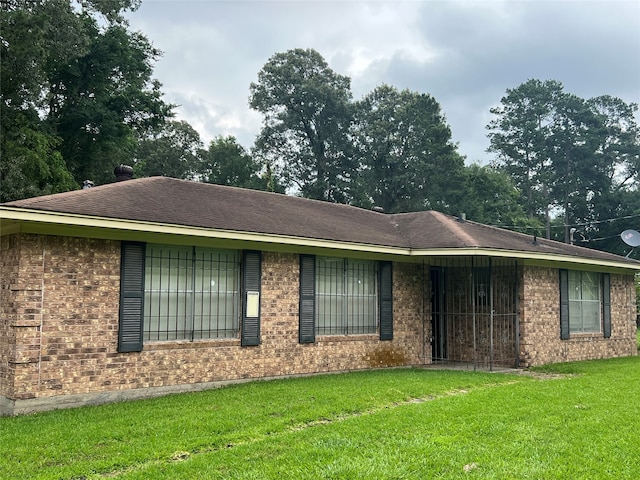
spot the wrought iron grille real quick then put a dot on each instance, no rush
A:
(191, 293)
(346, 296)
(474, 314)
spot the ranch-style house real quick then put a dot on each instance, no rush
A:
(155, 285)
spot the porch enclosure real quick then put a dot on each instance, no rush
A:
(474, 312)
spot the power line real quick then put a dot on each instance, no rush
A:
(608, 220)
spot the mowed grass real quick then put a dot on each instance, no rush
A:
(575, 420)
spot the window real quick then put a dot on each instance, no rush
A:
(187, 293)
(191, 293)
(584, 302)
(346, 296)
(340, 296)
(585, 305)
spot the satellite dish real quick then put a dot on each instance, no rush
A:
(631, 238)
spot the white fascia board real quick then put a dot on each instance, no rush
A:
(91, 223)
(528, 257)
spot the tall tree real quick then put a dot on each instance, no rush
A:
(519, 136)
(407, 159)
(174, 151)
(586, 155)
(491, 197)
(76, 92)
(226, 162)
(305, 105)
(104, 100)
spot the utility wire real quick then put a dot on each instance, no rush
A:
(608, 220)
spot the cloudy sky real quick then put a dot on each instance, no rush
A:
(464, 53)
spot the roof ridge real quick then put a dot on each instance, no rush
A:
(456, 230)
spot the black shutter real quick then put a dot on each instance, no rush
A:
(564, 304)
(131, 297)
(606, 305)
(386, 301)
(307, 327)
(251, 282)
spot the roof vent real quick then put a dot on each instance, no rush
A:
(462, 218)
(123, 172)
(87, 184)
(535, 239)
(378, 209)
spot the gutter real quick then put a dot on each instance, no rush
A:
(17, 220)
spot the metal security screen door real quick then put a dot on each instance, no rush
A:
(474, 312)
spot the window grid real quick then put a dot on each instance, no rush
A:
(346, 297)
(584, 302)
(191, 293)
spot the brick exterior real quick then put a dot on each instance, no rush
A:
(59, 329)
(62, 339)
(540, 341)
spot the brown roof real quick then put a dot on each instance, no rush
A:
(179, 202)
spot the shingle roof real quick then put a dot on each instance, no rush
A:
(178, 202)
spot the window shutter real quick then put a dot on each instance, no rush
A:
(307, 328)
(251, 278)
(386, 301)
(606, 305)
(564, 304)
(131, 297)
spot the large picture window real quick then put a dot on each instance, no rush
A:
(346, 296)
(191, 293)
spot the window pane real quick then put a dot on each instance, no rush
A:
(584, 302)
(329, 296)
(346, 296)
(191, 293)
(216, 305)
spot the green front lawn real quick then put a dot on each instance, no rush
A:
(575, 420)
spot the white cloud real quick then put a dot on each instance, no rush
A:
(465, 53)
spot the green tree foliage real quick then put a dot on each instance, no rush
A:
(578, 158)
(226, 162)
(519, 136)
(305, 106)
(406, 158)
(175, 151)
(76, 93)
(491, 197)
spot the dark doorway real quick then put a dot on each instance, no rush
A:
(474, 311)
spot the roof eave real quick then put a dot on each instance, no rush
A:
(14, 220)
(17, 219)
(527, 256)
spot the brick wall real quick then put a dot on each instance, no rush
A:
(540, 341)
(9, 293)
(65, 293)
(59, 326)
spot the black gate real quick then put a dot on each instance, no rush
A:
(474, 312)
